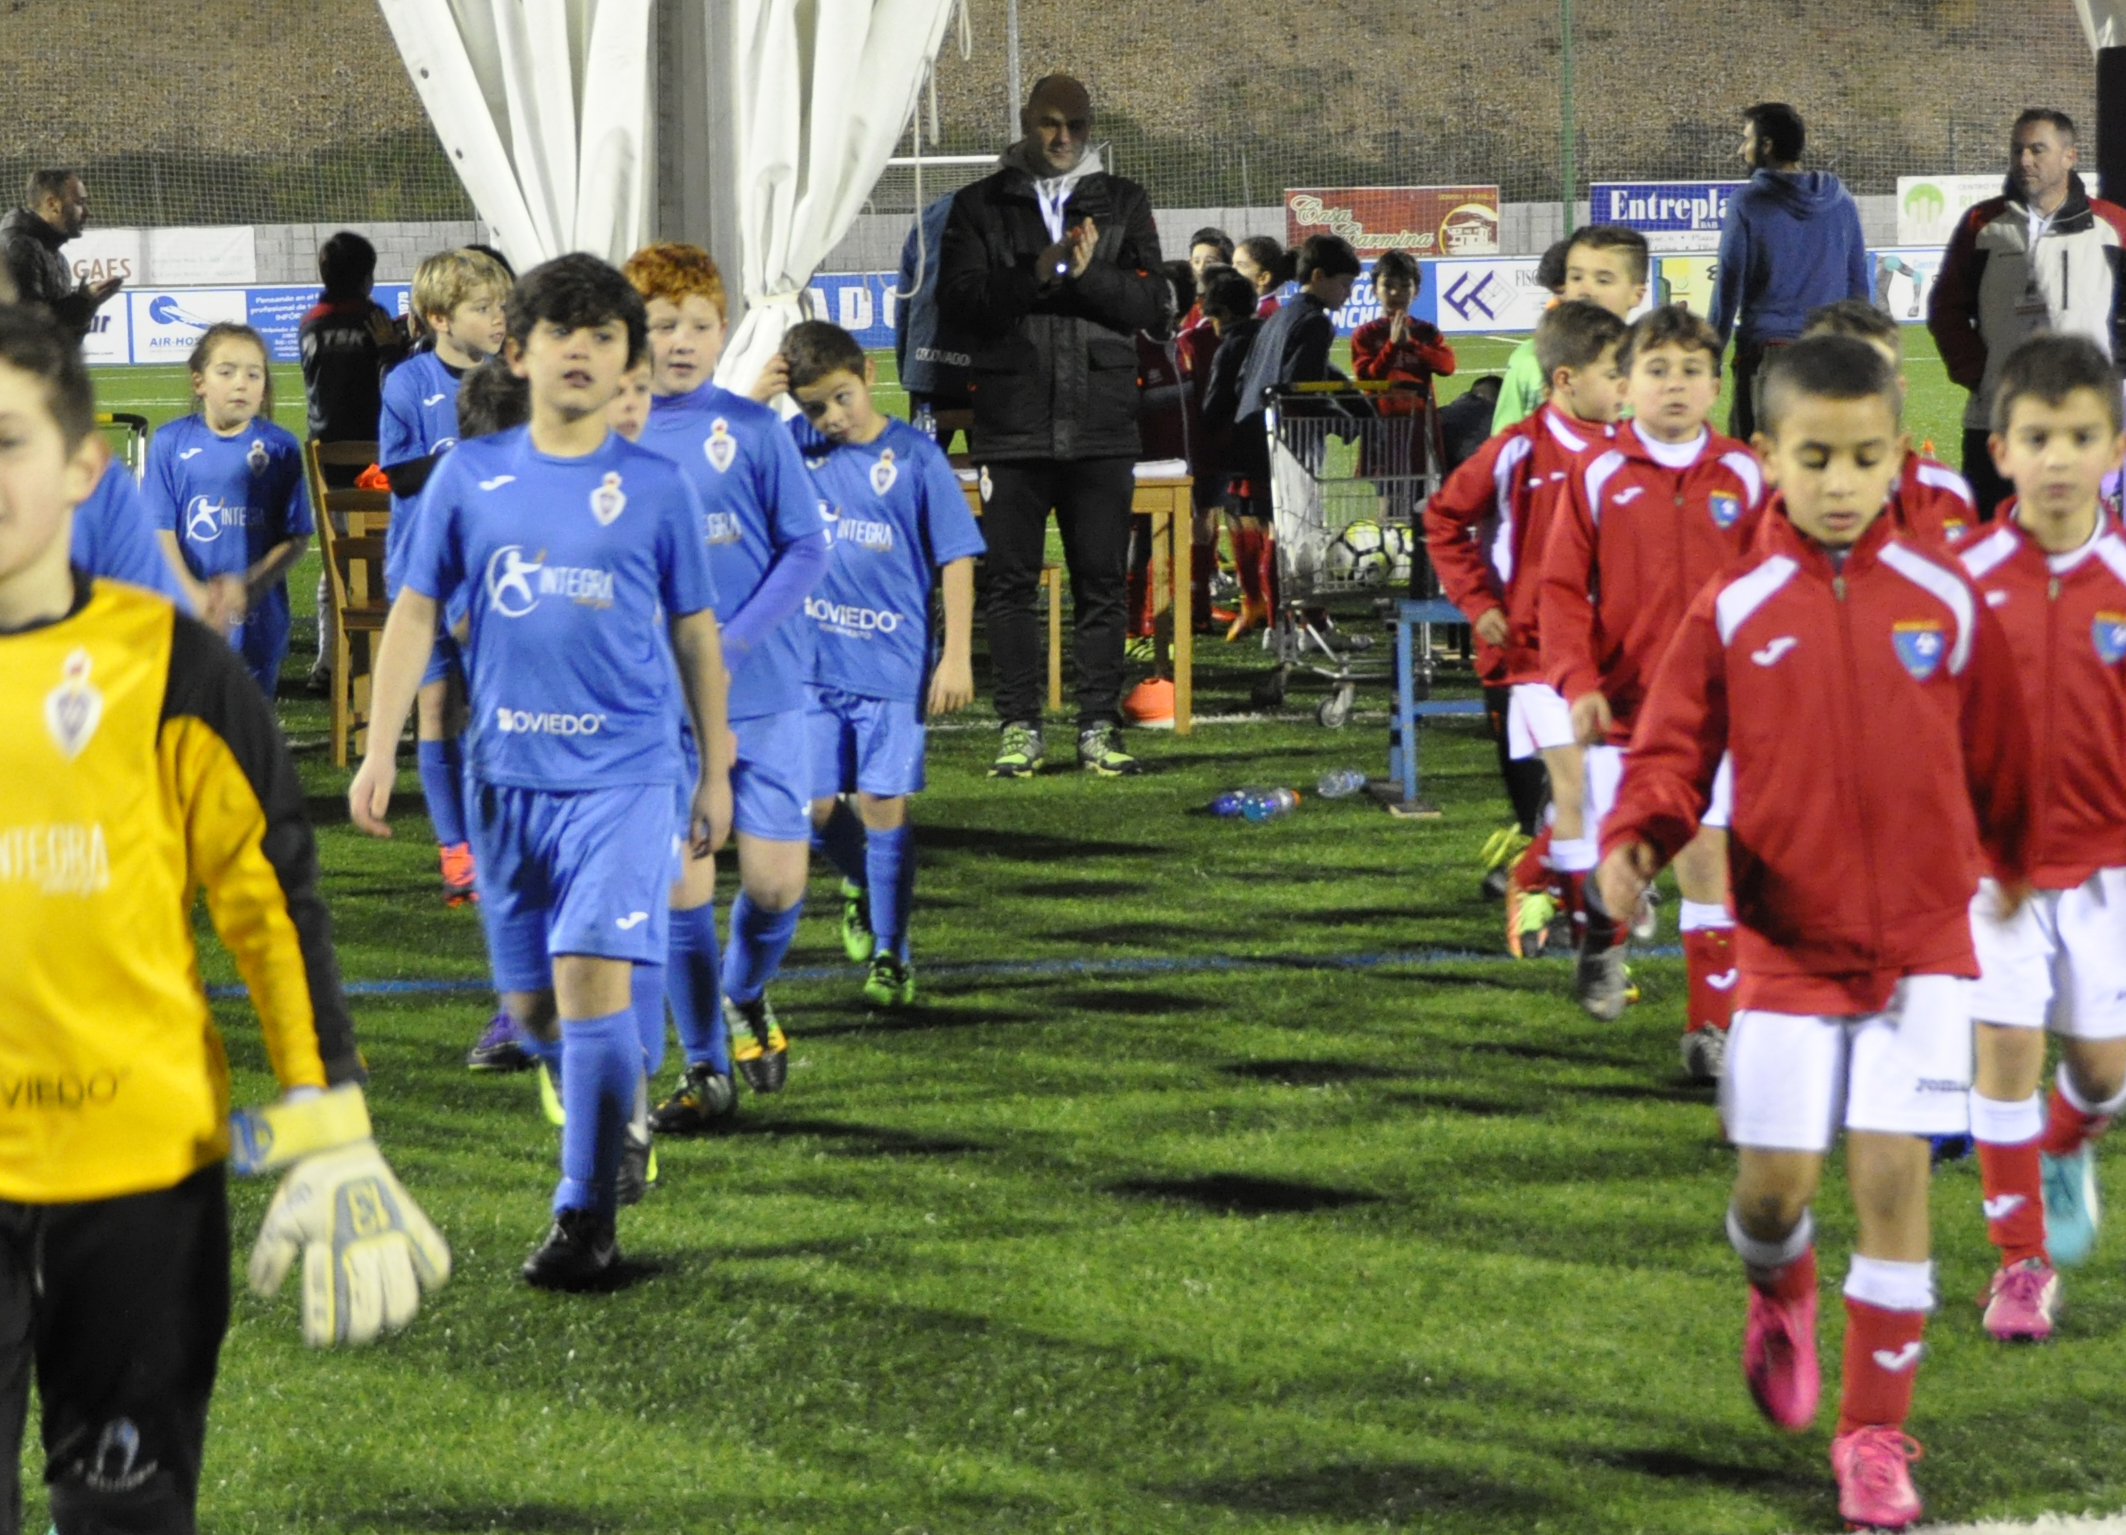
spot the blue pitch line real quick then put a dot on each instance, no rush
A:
(1036, 969)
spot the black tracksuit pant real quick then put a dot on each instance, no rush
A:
(1091, 500)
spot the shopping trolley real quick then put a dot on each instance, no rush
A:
(133, 449)
(1351, 466)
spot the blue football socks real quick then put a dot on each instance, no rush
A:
(889, 858)
(759, 939)
(442, 766)
(602, 1062)
(547, 1052)
(842, 841)
(648, 994)
(693, 983)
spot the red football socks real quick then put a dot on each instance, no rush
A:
(1709, 961)
(1795, 1282)
(2067, 1128)
(1882, 1351)
(1531, 871)
(2015, 1204)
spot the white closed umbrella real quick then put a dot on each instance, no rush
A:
(824, 89)
(2104, 21)
(544, 109)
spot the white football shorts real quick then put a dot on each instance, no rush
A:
(2059, 963)
(1537, 720)
(1721, 812)
(1792, 1080)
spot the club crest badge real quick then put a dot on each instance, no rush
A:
(1920, 645)
(721, 447)
(2107, 631)
(73, 709)
(608, 501)
(256, 458)
(986, 487)
(1725, 507)
(884, 473)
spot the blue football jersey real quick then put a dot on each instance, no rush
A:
(229, 500)
(571, 566)
(898, 515)
(756, 501)
(420, 417)
(114, 539)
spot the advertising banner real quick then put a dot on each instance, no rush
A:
(96, 255)
(181, 258)
(865, 304)
(1673, 215)
(1425, 221)
(1487, 295)
(1685, 280)
(1904, 280)
(1929, 206)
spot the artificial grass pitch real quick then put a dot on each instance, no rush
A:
(1302, 1244)
(1172, 1207)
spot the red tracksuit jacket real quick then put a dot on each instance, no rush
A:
(1488, 525)
(2067, 629)
(1880, 753)
(1421, 353)
(1630, 545)
(1931, 502)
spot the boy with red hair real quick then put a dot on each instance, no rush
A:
(1864, 700)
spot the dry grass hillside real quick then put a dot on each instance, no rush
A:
(299, 108)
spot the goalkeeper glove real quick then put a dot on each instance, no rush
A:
(367, 1249)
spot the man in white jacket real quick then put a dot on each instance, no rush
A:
(2044, 256)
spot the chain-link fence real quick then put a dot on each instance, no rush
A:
(220, 112)
(298, 111)
(1215, 105)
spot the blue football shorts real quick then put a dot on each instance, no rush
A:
(872, 744)
(565, 872)
(771, 781)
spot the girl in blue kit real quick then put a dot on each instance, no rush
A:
(225, 488)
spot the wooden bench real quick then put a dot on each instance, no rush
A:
(351, 527)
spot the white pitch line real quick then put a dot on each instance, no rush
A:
(2044, 1524)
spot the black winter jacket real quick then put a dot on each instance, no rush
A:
(1054, 371)
(31, 249)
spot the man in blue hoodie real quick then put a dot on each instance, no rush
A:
(1791, 242)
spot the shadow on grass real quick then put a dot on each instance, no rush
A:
(1372, 1493)
(1239, 1194)
(1110, 999)
(859, 1140)
(1314, 1073)
(1680, 1466)
(1018, 844)
(1463, 1103)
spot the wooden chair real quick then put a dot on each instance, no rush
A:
(351, 525)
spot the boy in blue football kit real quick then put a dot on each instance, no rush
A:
(578, 550)
(899, 518)
(225, 489)
(767, 543)
(459, 295)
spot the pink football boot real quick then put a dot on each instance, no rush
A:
(1779, 1358)
(1874, 1485)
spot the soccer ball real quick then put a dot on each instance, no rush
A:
(1397, 544)
(1360, 553)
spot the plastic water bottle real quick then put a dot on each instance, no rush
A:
(1340, 783)
(926, 421)
(1227, 805)
(1269, 804)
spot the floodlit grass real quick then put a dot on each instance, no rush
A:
(1219, 1182)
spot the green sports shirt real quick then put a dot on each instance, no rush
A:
(1521, 390)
